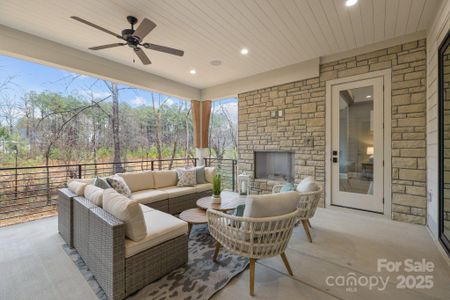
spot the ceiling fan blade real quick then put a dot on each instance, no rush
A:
(142, 56)
(107, 46)
(164, 49)
(144, 28)
(96, 26)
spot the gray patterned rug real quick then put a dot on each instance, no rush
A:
(200, 279)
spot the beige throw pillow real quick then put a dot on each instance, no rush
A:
(78, 185)
(94, 194)
(210, 172)
(128, 211)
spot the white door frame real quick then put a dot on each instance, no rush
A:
(386, 75)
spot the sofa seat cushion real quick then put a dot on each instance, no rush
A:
(145, 208)
(139, 181)
(149, 196)
(161, 227)
(175, 191)
(165, 178)
(203, 187)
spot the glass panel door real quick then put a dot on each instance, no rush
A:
(357, 145)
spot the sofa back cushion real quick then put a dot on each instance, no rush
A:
(271, 205)
(128, 211)
(78, 185)
(139, 181)
(210, 172)
(165, 178)
(94, 194)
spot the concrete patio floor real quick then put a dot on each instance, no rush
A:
(34, 265)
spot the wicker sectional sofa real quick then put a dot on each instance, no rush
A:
(120, 265)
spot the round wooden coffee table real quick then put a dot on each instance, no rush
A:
(194, 216)
(229, 201)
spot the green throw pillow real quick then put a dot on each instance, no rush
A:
(101, 183)
(239, 212)
(200, 174)
(289, 187)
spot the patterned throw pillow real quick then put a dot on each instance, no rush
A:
(200, 174)
(186, 177)
(101, 183)
(119, 184)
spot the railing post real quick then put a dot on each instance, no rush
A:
(153, 165)
(195, 161)
(206, 162)
(79, 171)
(233, 175)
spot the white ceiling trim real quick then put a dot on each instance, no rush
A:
(375, 46)
(26, 46)
(296, 72)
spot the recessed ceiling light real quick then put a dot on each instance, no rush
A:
(193, 72)
(369, 96)
(349, 3)
(215, 62)
(244, 51)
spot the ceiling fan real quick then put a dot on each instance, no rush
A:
(133, 38)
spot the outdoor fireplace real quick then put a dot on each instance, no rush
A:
(274, 165)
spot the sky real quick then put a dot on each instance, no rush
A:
(28, 76)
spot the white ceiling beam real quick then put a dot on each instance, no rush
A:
(30, 47)
(296, 72)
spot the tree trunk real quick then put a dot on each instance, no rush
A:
(116, 128)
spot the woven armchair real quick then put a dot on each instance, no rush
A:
(252, 237)
(308, 203)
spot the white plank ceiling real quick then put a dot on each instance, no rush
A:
(276, 32)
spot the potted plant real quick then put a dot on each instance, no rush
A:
(217, 188)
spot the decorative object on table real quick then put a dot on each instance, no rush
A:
(217, 188)
(204, 276)
(244, 184)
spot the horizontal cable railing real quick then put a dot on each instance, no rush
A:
(26, 191)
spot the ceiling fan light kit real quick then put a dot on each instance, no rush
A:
(133, 38)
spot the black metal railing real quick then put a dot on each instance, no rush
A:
(27, 191)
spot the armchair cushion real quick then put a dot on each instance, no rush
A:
(271, 205)
(307, 185)
(128, 211)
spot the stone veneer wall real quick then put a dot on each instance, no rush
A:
(303, 103)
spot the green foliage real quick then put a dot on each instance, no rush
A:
(217, 184)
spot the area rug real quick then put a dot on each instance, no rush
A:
(200, 279)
